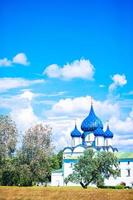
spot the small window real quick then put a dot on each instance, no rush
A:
(128, 172)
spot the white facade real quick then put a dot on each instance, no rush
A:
(57, 179)
(76, 141)
(100, 141)
(108, 142)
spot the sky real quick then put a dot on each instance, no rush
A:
(56, 54)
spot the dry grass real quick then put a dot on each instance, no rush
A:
(63, 193)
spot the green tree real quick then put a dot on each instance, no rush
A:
(67, 179)
(60, 158)
(25, 175)
(8, 140)
(94, 167)
(56, 160)
(9, 172)
(8, 136)
(36, 150)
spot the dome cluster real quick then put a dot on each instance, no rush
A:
(92, 124)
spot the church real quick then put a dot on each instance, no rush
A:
(93, 136)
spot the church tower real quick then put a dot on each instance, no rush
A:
(92, 128)
(108, 136)
(76, 137)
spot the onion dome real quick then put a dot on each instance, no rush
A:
(108, 133)
(99, 132)
(75, 132)
(91, 122)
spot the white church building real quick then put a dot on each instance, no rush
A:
(93, 136)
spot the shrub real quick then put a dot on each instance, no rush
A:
(120, 186)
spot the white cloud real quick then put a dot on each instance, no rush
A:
(77, 69)
(64, 112)
(21, 59)
(21, 109)
(118, 80)
(5, 62)
(80, 106)
(10, 83)
(24, 117)
(27, 95)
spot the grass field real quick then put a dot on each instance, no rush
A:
(63, 193)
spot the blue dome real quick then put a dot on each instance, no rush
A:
(92, 122)
(75, 132)
(99, 132)
(108, 133)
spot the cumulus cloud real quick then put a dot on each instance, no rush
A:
(21, 109)
(24, 117)
(118, 80)
(62, 115)
(77, 69)
(80, 106)
(10, 83)
(27, 95)
(64, 112)
(20, 58)
(5, 62)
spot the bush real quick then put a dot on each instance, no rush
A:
(113, 187)
(119, 186)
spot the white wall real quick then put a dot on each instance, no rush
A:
(108, 142)
(76, 141)
(68, 169)
(57, 179)
(90, 137)
(99, 141)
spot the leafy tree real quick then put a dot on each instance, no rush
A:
(67, 179)
(8, 140)
(9, 172)
(36, 150)
(8, 136)
(60, 158)
(25, 175)
(56, 160)
(94, 167)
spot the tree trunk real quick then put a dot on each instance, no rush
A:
(84, 185)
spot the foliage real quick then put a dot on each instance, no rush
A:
(35, 152)
(120, 186)
(67, 179)
(8, 140)
(8, 136)
(94, 167)
(34, 160)
(56, 160)
(25, 176)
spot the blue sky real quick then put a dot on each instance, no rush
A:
(54, 55)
